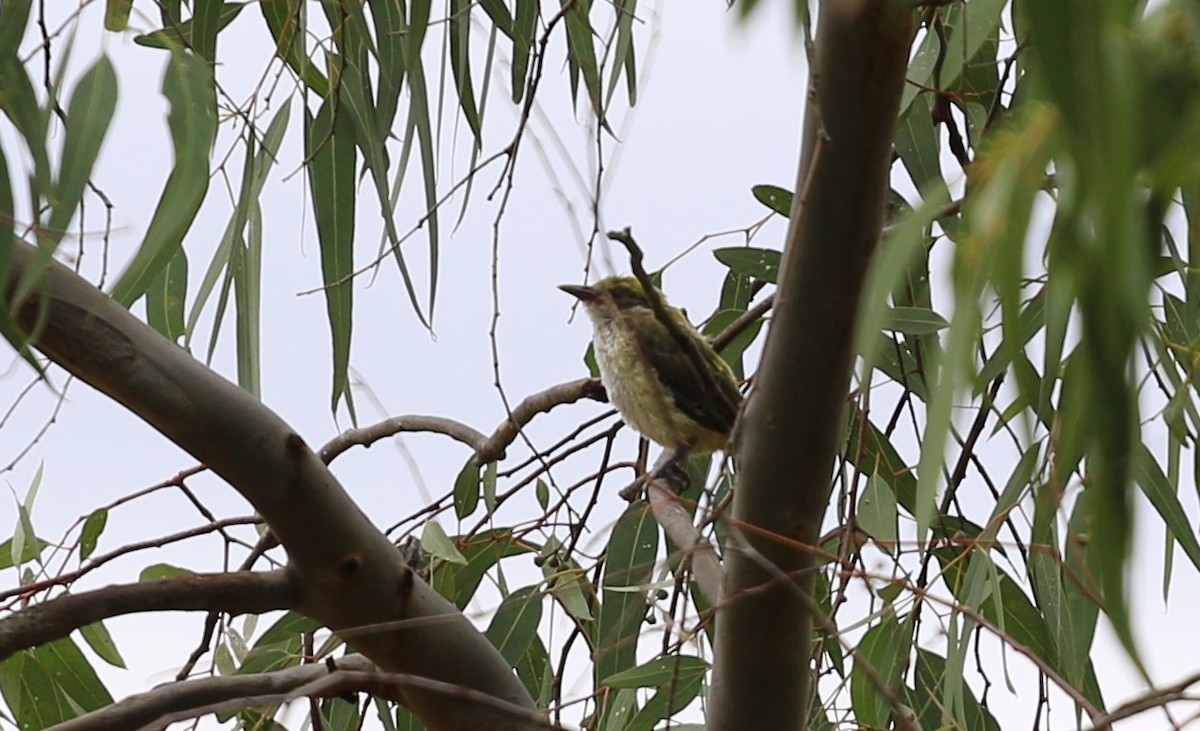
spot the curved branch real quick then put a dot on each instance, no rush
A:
(152, 708)
(368, 435)
(238, 593)
(349, 573)
(487, 448)
(539, 403)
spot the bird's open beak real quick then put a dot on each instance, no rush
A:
(583, 293)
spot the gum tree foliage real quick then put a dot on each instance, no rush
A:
(948, 509)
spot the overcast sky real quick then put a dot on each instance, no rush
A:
(719, 111)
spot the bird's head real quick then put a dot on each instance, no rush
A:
(609, 297)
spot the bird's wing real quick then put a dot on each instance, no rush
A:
(713, 405)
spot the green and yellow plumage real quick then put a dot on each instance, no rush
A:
(650, 378)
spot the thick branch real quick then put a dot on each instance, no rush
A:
(791, 423)
(240, 593)
(348, 572)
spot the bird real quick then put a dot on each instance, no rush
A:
(684, 403)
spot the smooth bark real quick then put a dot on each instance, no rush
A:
(792, 420)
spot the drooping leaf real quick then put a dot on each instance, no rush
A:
(92, 528)
(466, 489)
(514, 626)
(631, 553)
(329, 146)
(884, 647)
(436, 543)
(189, 87)
(200, 30)
(97, 637)
(88, 116)
(50, 684)
(285, 22)
(166, 298)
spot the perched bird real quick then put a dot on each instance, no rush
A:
(684, 403)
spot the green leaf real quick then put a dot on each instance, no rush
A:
(904, 245)
(570, 587)
(927, 697)
(390, 39)
(285, 22)
(514, 626)
(88, 116)
(535, 671)
(157, 571)
(435, 542)
(623, 55)
(581, 52)
(251, 189)
(460, 64)
(758, 263)
(92, 528)
(166, 298)
(884, 647)
(8, 327)
(466, 489)
(681, 680)
(872, 452)
(914, 321)
(1162, 495)
(89, 113)
(773, 197)
(732, 353)
(332, 156)
(482, 551)
(97, 637)
(31, 550)
(630, 557)
(657, 673)
(877, 513)
(489, 487)
(20, 104)
(419, 116)
(189, 88)
(50, 684)
(543, 493)
(524, 27)
(24, 532)
(498, 12)
(246, 266)
(917, 143)
(1009, 608)
(116, 15)
(14, 16)
(279, 646)
(961, 42)
(210, 18)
